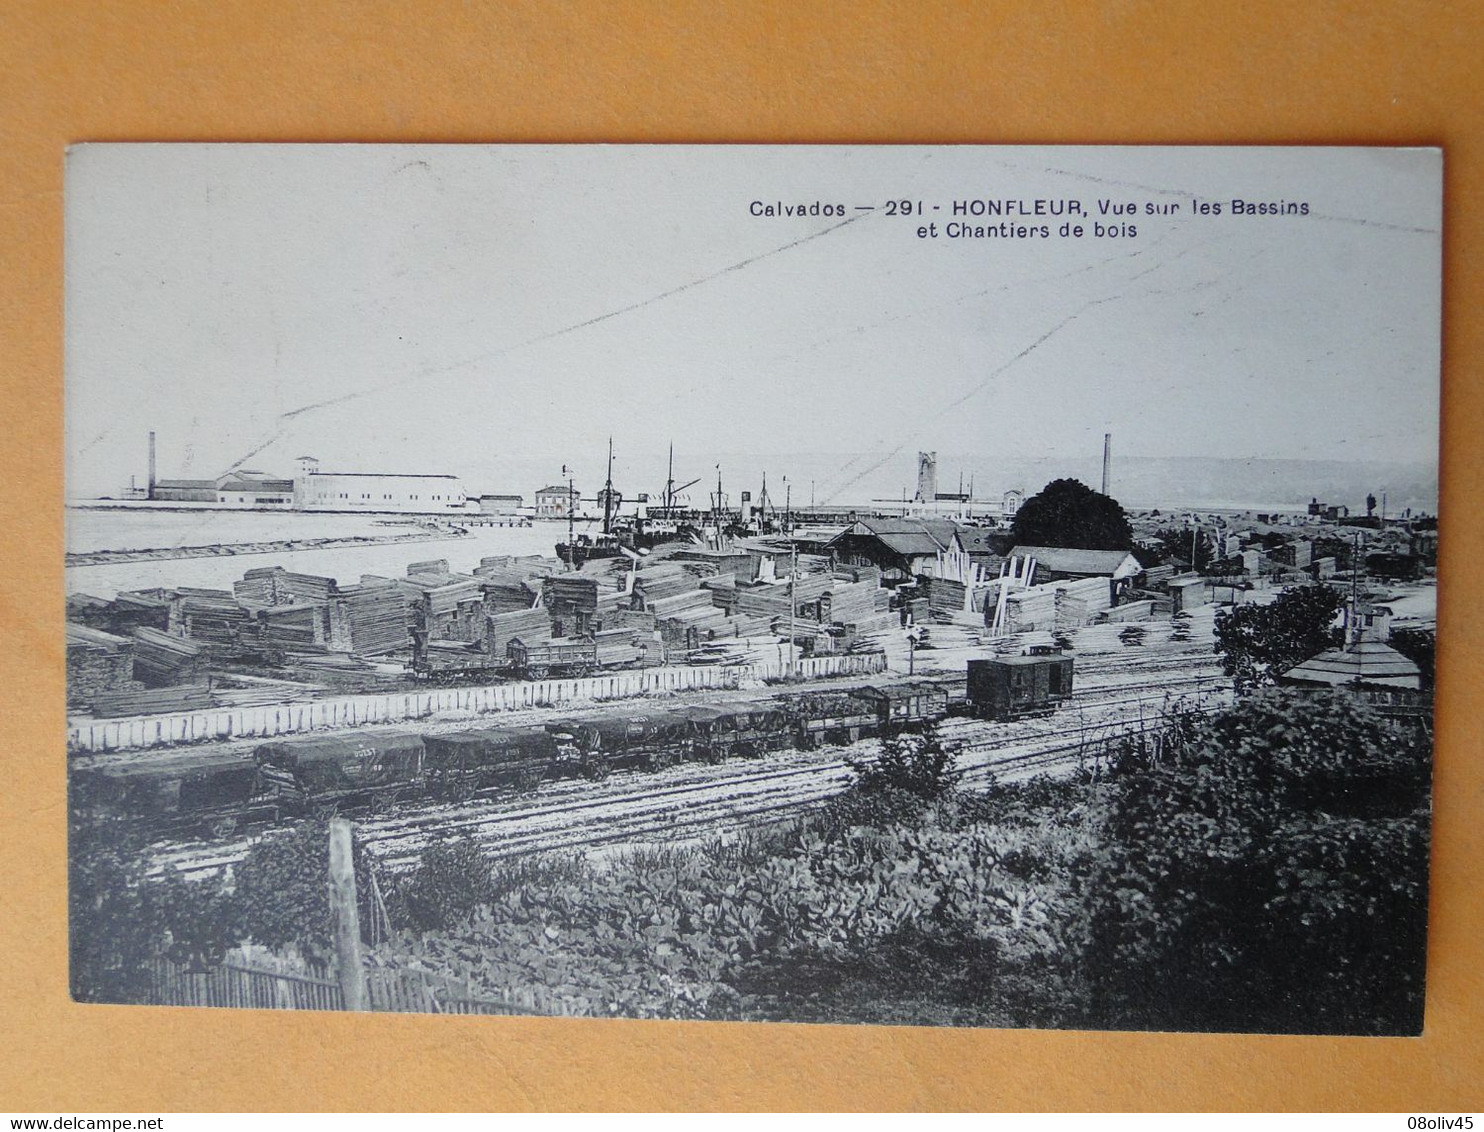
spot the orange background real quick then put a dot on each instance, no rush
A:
(707, 72)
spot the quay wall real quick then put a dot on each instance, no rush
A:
(266, 720)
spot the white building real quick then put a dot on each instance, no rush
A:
(315, 490)
(557, 500)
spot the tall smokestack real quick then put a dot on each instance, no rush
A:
(1107, 451)
(151, 464)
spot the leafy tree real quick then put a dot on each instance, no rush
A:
(1175, 543)
(1260, 642)
(1419, 646)
(1271, 876)
(282, 892)
(112, 937)
(452, 880)
(917, 763)
(1069, 513)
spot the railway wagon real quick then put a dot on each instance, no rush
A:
(536, 660)
(829, 716)
(748, 727)
(333, 770)
(457, 764)
(594, 744)
(907, 705)
(205, 793)
(1011, 687)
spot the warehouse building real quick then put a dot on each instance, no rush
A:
(315, 490)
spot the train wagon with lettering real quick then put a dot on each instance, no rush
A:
(746, 727)
(536, 660)
(459, 763)
(594, 744)
(200, 793)
(329, 772)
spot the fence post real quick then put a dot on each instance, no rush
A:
(351, 973)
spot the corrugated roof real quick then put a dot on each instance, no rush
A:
(1365, 662)
(1073, 560)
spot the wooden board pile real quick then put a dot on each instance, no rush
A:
(945, 596)
(161, 660)
(851, 603)
(432, 566)
(380, 614)
(152, 701)
(214, 618)
(273, 585)
(615, 648)
(763, 601)
(1039, 607)
(529, 625)
(98, 663)
(289, 627)
(133, 609)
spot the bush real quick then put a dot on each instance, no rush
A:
(1271, 876)
(282, 893)
(452, 879)
(913, 763)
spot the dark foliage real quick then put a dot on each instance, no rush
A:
(1258, 643)
(915, 763)
(1176, 546)
(282, 893)
(452, 880)
(1270, 875)
(1420, 647)
(1069, 513)
(113, 933)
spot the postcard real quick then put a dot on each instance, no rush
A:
(959, 586)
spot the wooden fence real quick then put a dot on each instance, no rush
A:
(389, 990)
(267, 720)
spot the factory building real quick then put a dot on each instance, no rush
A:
(315, 490)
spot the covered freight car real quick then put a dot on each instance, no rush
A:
(458, 764)
(594, 744)
(206, 793)
(1010, 687)
(746, 727)
(335, 770)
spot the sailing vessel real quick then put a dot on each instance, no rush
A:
(622, 537)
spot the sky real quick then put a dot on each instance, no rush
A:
(498, 312)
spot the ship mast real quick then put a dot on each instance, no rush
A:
(608, 493)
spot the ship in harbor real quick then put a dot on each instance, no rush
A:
(632, 535)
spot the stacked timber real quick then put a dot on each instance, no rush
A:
(946, 597)
(530, 625)
(432, 566)
(152, 701)
(762, 600)
(379, 612)
(292, 627)
(851, 603)
(215, 618)
(616, 648)
(135, 609)
(273, 585)
(161, 660)
(98, 663)
(621, 618)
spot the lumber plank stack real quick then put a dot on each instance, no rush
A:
(97, 663)
(161, 660)
(152, 701)
(379, 611)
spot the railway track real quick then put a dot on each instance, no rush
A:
(635, 806)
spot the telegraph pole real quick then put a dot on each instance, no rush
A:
(571, 533)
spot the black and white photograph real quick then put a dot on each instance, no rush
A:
(900, 585)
